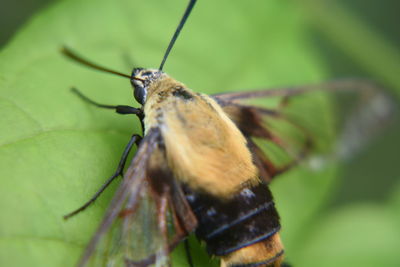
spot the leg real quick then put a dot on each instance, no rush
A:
(118, 108)
(187, 251)
(134, 140)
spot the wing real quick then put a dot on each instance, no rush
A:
(147, 217)
(289, 124)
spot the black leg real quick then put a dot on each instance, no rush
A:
(187, 250)
(134, 140)
(118, 108)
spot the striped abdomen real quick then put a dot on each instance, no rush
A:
(243, 230)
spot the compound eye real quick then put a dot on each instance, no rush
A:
(140, 94)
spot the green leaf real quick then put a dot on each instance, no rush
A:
(56, 151)
(358, 235)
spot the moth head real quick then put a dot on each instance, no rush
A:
(141, 80)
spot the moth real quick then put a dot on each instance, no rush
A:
(199, 167)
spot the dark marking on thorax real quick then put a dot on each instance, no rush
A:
(179, 91)
(162, 95)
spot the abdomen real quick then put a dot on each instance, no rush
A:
(243, 231)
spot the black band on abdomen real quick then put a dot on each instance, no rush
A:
(226, 226)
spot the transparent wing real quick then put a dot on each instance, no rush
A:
(134, 229)
(286, 125)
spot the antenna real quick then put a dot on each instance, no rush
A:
(178, 30)
(83, 61)
(69, 53)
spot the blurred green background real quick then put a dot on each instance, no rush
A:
(54, 150)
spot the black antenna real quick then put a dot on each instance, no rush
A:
(178, 30)
(83, 61)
